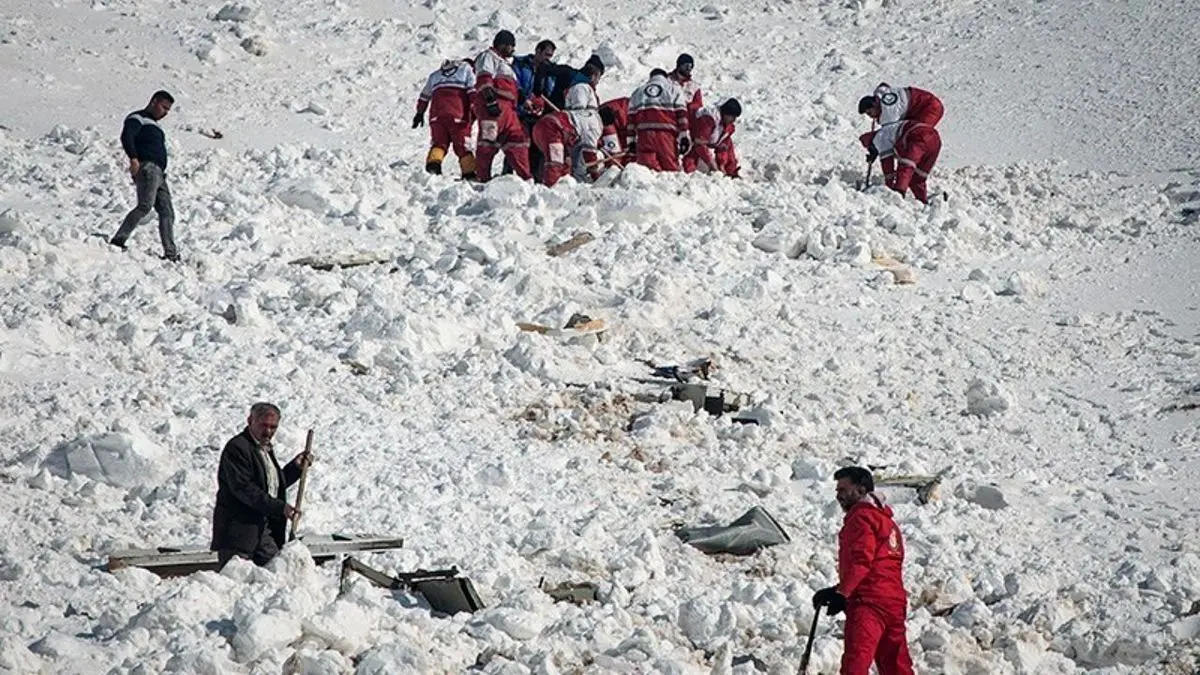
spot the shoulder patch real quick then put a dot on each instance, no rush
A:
(654, 90)
(889, 98)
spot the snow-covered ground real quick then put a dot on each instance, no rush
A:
(1047, 354)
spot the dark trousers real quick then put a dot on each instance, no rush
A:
(262, 554)
(152, 193)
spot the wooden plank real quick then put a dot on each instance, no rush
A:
(330, 262)
(570, 245)
(172, 561)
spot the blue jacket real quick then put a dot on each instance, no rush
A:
(530, 81)
(143, 139)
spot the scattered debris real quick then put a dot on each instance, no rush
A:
(578, 324)
(326, 263)
(445, 591)
(902, 273)
(569, 245)
(577, 593)
(702, 368)
(926, 486)
(167, 561)
(754, 531)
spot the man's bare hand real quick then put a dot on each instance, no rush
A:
(303, 460)
(134, 167)
(289, 513)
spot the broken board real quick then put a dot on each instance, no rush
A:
(167, 561)
(329, 262)
(585, 328)
(570, 244)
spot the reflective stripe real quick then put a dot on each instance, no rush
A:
(655, 126)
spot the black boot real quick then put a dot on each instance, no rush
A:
(434, 168)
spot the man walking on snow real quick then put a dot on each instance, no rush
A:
(496, 96)
(447, 96)
(146, 146)
(870, 588)
(907, 117)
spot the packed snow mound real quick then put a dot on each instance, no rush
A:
(124, 460)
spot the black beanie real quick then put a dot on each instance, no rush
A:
(595, 62)
(504, 38)
(865, 103)
(685, 58)
(732, 108)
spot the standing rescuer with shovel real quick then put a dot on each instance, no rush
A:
(870, 587)
(252, 512)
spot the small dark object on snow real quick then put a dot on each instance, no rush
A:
(576, 593)
(445, 591)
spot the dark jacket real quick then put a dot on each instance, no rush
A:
(563, 78)
(243, 506)
(143, 139)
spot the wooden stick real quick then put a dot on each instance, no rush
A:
(308, 442)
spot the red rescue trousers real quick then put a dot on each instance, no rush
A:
(916, 153)
(550, 137)
(446, 133)
(501, 132)
(875, 636)
(658, 149)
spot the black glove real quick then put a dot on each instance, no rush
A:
(418, 120)
(829, 597)
(489, 98)
(872, 153)
(685, 144)
(631, 148)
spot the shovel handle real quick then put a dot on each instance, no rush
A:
(308, 443)
(812, 633)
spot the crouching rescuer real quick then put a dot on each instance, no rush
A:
(448, 96)
(870, 586)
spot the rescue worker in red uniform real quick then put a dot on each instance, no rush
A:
(682, 75)
(448, 96)
(496, 97)
(658, 123)
(558, 135)
(890, 107)
(913, 147)
(614, 115)
(870, 586)
(712, 140)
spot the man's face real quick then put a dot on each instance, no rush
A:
(594, 77)
(263, 427)
(875, 111)
(849, 494)
(159, 108)
(543, 55)
(726, 120)
(506, 50)
(685, 69)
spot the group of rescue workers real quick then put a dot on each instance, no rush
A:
(663, 125)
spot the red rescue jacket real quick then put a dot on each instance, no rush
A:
(871, 555)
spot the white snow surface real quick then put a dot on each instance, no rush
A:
(1047, 353)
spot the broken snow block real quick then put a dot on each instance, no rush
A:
(754, 531)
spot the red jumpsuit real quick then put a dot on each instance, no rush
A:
(692, 97)
(657, 121)
(712, 144)
(915, 148)
(870, 558)
(898, 105)
(504, 131)
(447, 95)
(612, 141)
(555, 135)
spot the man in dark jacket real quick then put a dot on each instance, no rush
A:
(870, 588)
(146, 146)
(251, 513)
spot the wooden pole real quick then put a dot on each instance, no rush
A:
(308, 443)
